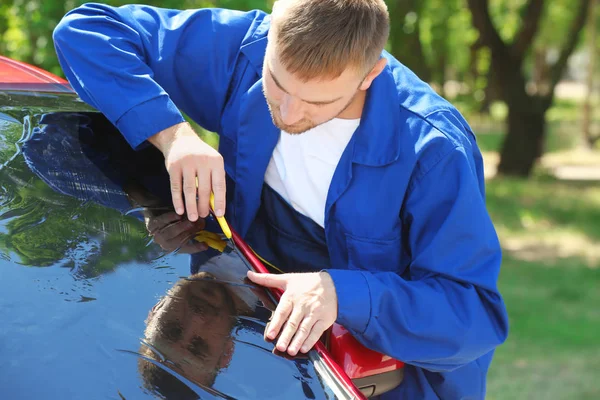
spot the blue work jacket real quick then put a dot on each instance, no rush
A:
(415, 257)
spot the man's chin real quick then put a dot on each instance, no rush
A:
(291, 129)
(294, 129)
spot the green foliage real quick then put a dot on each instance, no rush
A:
(44, 228)
(434, 37)
(26, 25)
(556, 20)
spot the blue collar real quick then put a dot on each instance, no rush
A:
(377, 141)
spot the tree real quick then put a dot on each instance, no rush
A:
(523, 144)
(26, 25)
(405, 35)
(590, 138)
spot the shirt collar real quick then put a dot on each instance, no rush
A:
(377, 140)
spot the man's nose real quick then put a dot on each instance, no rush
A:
(291, 110)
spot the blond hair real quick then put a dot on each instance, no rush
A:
(322, 38)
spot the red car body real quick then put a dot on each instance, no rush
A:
(22, 76)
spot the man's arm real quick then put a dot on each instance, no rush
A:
(139, 65)
(448, 312)
(445, 314)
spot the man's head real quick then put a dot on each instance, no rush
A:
(321, 58)
(191, 328)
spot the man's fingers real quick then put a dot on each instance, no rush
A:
(171, 231)
(204, 193)
(301, 335)
(315, 334)
(189, 190)
(176, 178)
(219, 188)
(173, 243)
(162, 221)
(281, 314)
(290, 328)
(268, 280)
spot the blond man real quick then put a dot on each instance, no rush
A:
(335, 162)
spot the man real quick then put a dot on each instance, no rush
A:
(340, 165)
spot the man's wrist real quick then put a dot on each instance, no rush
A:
(353, 299)
(165, 138)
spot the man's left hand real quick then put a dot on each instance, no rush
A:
(307, 308)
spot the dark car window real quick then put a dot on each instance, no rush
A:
(106, 293)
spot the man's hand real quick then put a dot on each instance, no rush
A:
(194, 168)
(308, 307)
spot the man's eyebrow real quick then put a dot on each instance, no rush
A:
(306, 101)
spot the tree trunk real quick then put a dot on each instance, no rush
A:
(490, 91)
(524, 141)
(541, 72)
(589, 138)
(406, 45)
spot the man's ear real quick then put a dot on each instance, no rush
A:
(225, 360)
(374, 73)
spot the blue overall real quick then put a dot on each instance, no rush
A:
(413, 253)
(287, 239)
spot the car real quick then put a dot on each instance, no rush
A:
(108, 293)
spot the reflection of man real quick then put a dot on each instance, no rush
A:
(191, 328)
(339, 159)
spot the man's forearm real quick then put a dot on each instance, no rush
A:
(436, 323)
(165, 138)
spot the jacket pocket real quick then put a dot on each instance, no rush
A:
(375, 254)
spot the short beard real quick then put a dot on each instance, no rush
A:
(304, 125)
(295, 129)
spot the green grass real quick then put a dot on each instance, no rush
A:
(561, 136)
(553, 297)
(563, 121)
(553, 350)
(537, 207)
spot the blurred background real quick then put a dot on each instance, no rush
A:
(526, 75)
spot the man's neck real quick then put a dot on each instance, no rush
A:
(355, 107)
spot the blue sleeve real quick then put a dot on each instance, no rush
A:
(446, 311)
(141, 65)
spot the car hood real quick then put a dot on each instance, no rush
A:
(93, 305)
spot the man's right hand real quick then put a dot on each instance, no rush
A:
(194, 168)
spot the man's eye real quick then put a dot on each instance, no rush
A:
(172, 331)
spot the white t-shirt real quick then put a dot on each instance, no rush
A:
(302, 165)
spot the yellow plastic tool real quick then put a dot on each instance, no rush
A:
(221, 220)
(225, 228)
(212, 240)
